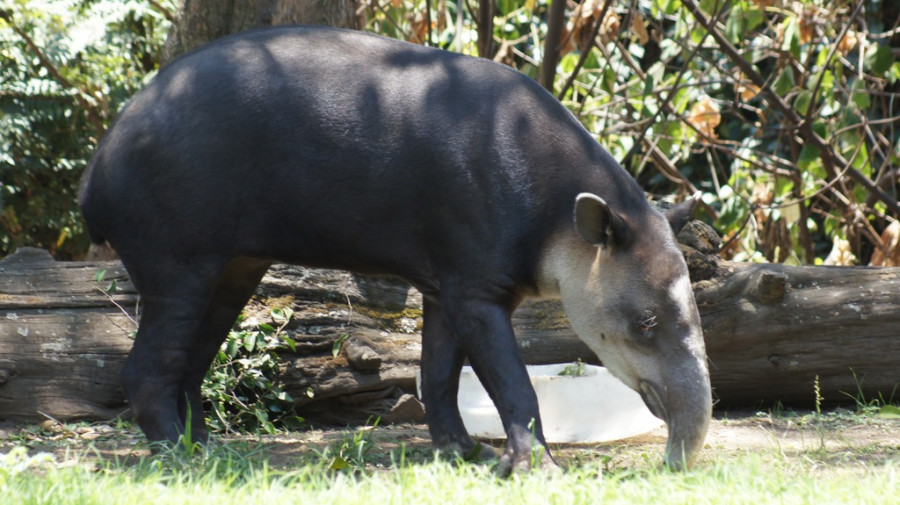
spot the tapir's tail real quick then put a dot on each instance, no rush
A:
(92, 210)
(87, 203)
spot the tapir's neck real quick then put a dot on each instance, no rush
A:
(565, 259)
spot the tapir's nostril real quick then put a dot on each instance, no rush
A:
(651, 398)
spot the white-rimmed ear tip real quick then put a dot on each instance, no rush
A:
(590, 196)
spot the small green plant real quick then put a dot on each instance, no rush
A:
(186, 440)
(537, 450)
(818, 392)
(352, 452)
(336, 347)
(573, 370)
(880, 407)
(241, 385)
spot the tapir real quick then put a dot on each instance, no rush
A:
(340, 149)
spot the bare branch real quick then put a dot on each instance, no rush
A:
(161, 8)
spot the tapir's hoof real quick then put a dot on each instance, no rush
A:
(524, 463)
(481, 452)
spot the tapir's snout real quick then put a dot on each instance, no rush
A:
(685, 404)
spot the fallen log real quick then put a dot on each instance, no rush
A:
(62, 337)
(802, 335)
(774, 333)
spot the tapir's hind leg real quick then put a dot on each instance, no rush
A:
(442, 360)
(174, 296)
(235, 287)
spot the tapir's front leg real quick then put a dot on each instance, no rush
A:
(442, 360)
(485, 333)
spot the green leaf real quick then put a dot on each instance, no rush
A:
(742, 20)
(681, 101)
(827, 85)
(233, 346)
(669, 7)
(859, 95)
(250, 341)
(831, 105)
(791, 213)
(861, 161)
(710, 7)
(649, 84)
(697, 34)
(339, 463)
(879, 58)
(282, 315)
(608, 82)
(734, 27)
(336, 347)
(821, 129)
(791, 42)
(100, 275)
(889, 412)
(894, 75)
(755, 17)
(785, 82)
(801, 103)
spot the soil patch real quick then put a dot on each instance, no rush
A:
(837, 438)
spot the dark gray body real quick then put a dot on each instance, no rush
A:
(340, 149)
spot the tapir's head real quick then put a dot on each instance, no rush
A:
(625, 288)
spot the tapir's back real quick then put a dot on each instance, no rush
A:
(342, 149)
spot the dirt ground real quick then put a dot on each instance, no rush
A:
(836, 438)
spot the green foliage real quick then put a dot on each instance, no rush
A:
(241, 386)
(665, 96)
(574, 369)
(68, 66)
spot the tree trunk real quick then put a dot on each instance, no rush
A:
(556, 23)
(772, 332)
(485, 24)
(201, 21)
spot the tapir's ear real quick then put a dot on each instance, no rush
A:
(680, 214)
(595, 221)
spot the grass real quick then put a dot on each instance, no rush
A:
(226, 479)
(356, 467)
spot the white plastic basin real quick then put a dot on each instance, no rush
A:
(591, 407)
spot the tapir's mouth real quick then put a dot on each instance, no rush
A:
(650, 395)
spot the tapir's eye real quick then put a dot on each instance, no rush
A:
(646, 322)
